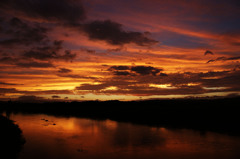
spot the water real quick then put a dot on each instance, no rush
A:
(51, 137)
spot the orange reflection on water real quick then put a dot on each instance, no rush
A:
(61, 137)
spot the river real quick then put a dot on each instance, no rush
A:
(51, 137)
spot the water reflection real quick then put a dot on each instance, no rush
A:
(61, 138)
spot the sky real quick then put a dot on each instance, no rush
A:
(119, 49)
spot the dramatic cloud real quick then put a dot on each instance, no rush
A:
(113, 33)
(49, 52)
(16, 32)
(230, 80)
(39, 50)
(174, 84)
(105, 48)
(70, 13)
(139, 89)
(60, 11)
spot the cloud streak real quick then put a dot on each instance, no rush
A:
(135, 70)
(174, 84)
(222, 58)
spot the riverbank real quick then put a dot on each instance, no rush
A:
(217, 115)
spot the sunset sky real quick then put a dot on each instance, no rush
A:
(119, 49)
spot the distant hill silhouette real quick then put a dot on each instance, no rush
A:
(218, 115)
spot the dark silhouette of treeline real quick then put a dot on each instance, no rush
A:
(217, 115)
(11, 139)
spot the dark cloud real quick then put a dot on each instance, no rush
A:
(221, 81)
(210, 74)
(40, 56)
(145, 70)
(39, 49)
(30, 98)
(237, 67)
(67, 56)
(173, 83)
(50, 92)
(228, 79)
(34, 64)
(119, 68)
(20, 62)
(122, 73)
(208, 53)
(209, 61)
(60, 11)
(9, 84)
(68, 13)
(27, 93)
(24, 63)
(64, 70)
(56, 97)
(91, 87)
(163, 74)
(17, 32)
(233, 58)
(49, 52)
(7, 59)
(135, 70)
(222, 58)
(44, 53)
(8, 90)
(116, 49)
(74, 76)
(137, 89)
(113, 33)
(89, 51)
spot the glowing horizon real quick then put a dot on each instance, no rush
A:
(118, 50)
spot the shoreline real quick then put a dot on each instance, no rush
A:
(216, 115)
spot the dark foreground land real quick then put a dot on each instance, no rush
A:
(11, 138)
(217, 115)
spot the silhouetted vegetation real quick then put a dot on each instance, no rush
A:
(217, 115)
(11, 139)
